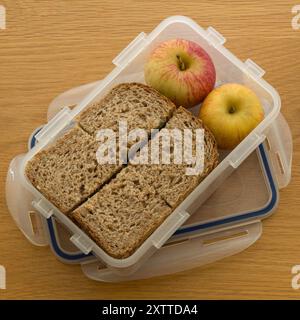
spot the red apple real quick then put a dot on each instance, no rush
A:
(181, 70)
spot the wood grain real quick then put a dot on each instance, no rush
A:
(50, 46)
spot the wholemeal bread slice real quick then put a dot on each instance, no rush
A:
(67, 172)
(171, 180)
(139, 105)
(123, 214)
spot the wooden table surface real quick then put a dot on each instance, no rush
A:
(50, 46)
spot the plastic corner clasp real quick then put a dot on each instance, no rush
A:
(43, 208)
(254, 68)
(171, 225)
(215, 37)
(125, 55)
(244, 150)
(82, 244)
(57, 123)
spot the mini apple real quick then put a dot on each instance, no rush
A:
(231, 112)
(181, 70)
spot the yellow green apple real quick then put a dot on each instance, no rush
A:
(231, 112)
(181, 70)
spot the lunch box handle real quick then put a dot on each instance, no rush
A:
(19, 203)
(279, 143)
(186, 254)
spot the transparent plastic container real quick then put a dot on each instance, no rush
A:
(129, 67)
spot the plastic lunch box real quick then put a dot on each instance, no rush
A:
(129, 67)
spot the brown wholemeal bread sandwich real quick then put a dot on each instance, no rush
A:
(121, 225)
(118, 206)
